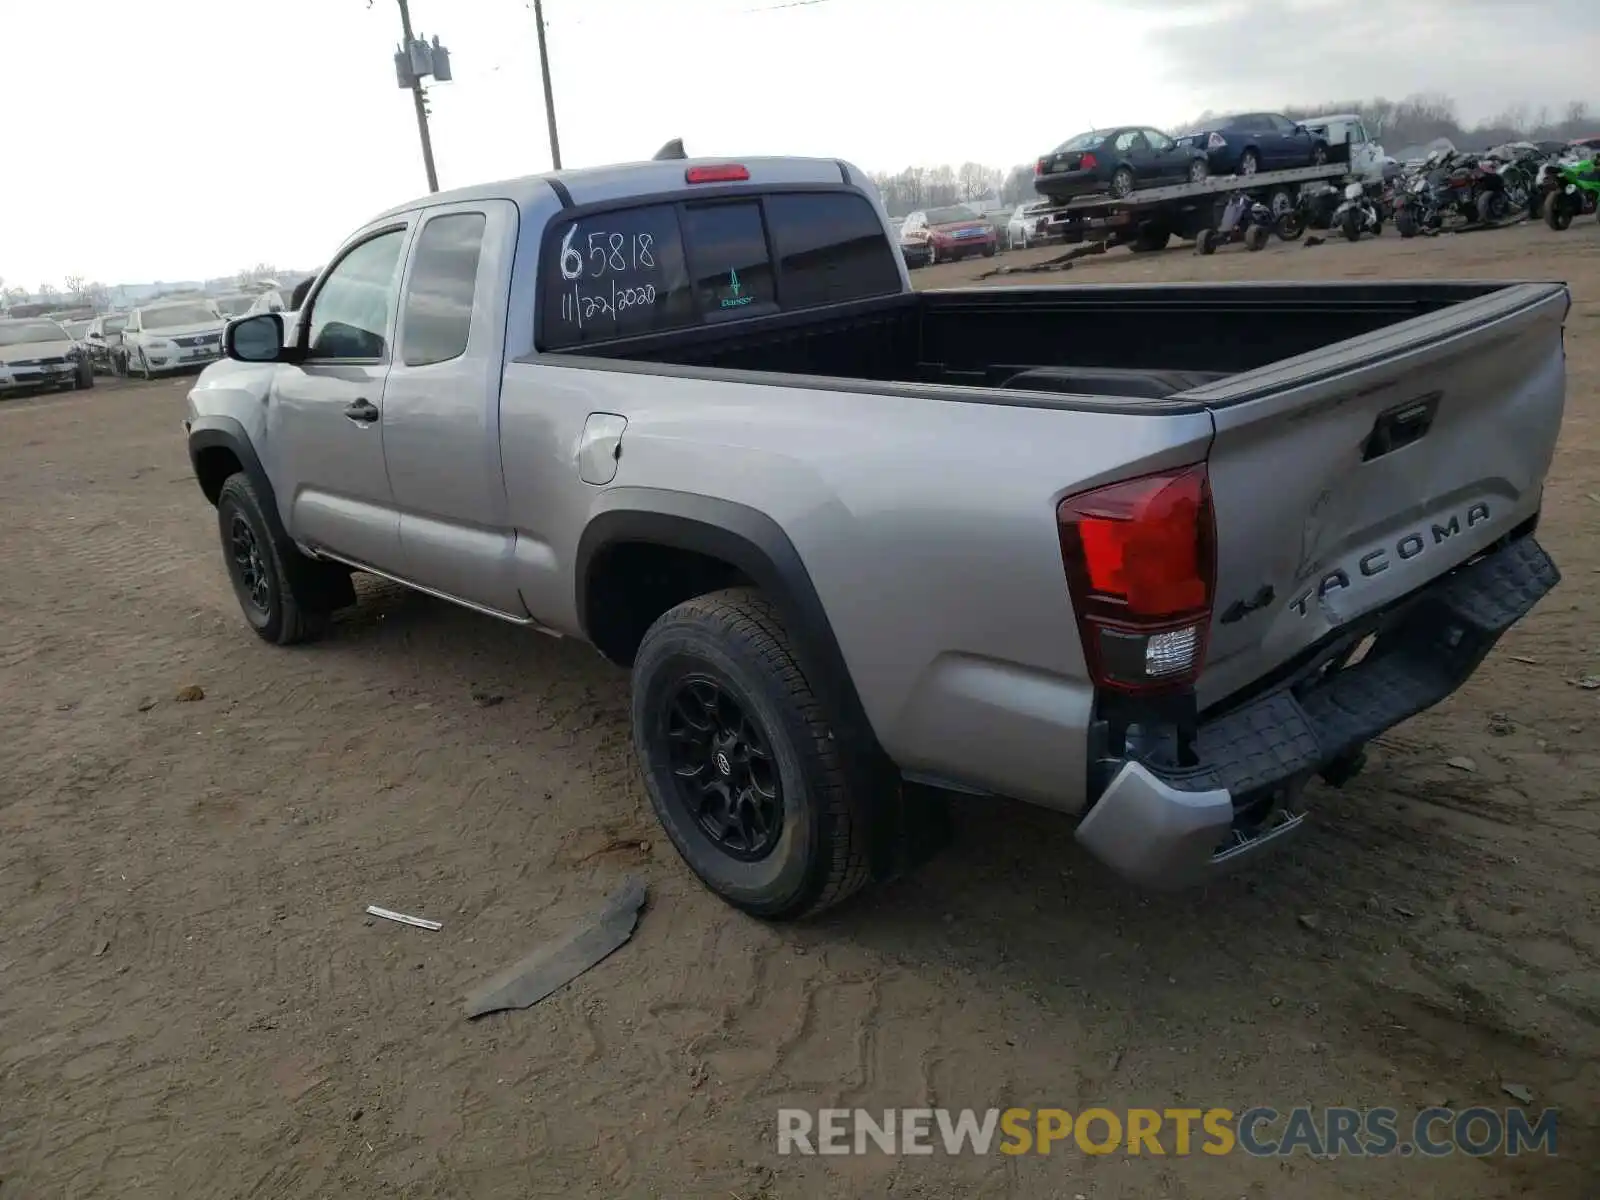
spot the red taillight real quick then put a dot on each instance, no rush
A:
(726, 173)
(1140, 558)
(1088, 162)
(1038, 167)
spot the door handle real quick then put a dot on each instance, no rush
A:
(362, 411)
(1399, 427)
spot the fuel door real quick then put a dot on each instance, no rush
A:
(600, 447)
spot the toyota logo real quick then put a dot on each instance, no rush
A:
(723, 764)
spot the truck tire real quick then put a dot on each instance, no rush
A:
(1255, 237)
(1151, 237)
(1205, 242)
(263, 573)
(1352, 225)
(741, 762)
(1406, 224)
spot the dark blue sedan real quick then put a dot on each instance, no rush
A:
(1254, 142)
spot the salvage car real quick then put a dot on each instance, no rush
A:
(38, 355)
(237, 304)
(1027, 227)
(170, 336)
(1252, 142)
(861, 545)
(103, 339)
(1116, 161)
(937, 235)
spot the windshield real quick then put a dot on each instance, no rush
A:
(76, 329)
(178, 314)
(116, 324)
(23, 333)
(1084, 141)
(949, 216)
(234, 306)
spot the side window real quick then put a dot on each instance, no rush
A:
(830, 248)
(437, 309)
(1159, 142)
(616, 274)
(1283, 125)
(350, 314)
(1129, 141)
(728, 261)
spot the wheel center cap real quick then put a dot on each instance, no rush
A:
(723, 763)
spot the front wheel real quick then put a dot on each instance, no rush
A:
(1491, 206)
(258, 570)
(1205, 242)
(1122, 182)
(1198, 170)
(1249, 163)
(741, 760)
(1255, 238)
(1352, 224)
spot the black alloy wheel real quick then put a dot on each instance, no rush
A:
(248, 568)
(723, 769)
(273, 583)
(764, 803)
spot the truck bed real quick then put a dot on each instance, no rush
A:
(1088, 345)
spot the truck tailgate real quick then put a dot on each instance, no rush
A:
(1348, 477)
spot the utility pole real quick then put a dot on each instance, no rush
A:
(414, 59)
(549, 98)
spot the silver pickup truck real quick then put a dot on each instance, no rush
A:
(1155, 556)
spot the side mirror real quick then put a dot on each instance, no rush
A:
(256, 339)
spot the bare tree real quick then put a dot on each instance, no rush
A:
(75, 285)
(47, 291)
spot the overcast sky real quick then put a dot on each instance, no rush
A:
(182, 139)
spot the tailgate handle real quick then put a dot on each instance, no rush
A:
(1400, 426)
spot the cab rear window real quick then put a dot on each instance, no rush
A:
(659, 267)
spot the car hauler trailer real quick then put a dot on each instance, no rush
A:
(1148, 219)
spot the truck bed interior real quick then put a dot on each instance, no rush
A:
(1127, 342)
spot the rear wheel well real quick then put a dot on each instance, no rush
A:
(630, 584)
(212, 466)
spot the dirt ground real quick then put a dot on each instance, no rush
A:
(193, 1004)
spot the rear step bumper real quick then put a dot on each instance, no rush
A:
(1169, 827)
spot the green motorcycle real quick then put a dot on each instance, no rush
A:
(1570, 189)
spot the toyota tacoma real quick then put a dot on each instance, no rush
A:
(1156, 556)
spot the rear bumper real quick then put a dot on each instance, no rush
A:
(1068, 185)
(1169, 826)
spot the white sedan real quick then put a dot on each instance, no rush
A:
(169, 336)
(1022, 230)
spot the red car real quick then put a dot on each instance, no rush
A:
(945, 234)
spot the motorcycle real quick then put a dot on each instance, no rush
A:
(1417, 209)
(1243, 220)
(1570, 188)
(1519, 180)
(1313, 208)
(1358, 214)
